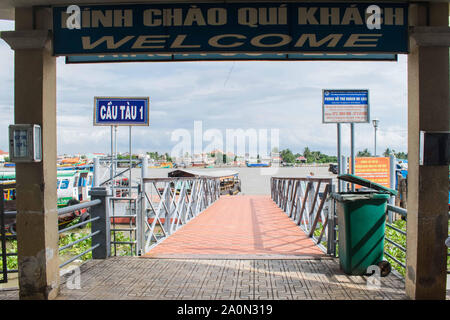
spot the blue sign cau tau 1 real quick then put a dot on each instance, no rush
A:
(221, 28)
(110, 111)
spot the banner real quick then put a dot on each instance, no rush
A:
(231, 28)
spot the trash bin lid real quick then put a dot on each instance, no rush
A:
(366, 183)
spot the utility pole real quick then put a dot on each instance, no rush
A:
(375, 123)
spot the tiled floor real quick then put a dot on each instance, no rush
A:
(239, 227)
(170, 279)
(240, 248)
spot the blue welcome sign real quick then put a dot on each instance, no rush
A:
(205, 28)
(112, 111)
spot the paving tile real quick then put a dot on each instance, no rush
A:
(245, 250)
(240, 225)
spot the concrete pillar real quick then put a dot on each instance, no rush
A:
(428, 109)
(35, 103)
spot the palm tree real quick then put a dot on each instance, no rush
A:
(364, 153)
(388, 152)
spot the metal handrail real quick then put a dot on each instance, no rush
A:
(305, 201)
(77, 225)
(131, 230)
(84, 205)
(398, 210)
(166, 204)
(79, 240)
(79, 206)
(65, 210)
(403, 212)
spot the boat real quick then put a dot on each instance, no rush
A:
(162, 165)
(229, 179)
(72, 188)
(198, 164)
(255, 164)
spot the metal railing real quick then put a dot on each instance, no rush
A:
(98, 228)
(304, 201)
(125, 222)
(166, 204)
(400, 261)
(391, 241)
(119, 190)
(73, 208)
(6, 253)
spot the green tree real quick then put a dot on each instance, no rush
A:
(168, 157)
(287, 156)
(364, 153)
(401, 155)
(387, 152)
(306, 153)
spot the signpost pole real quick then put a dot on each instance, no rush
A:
(343, 171)
(111, 170)
(352, 149)
(115, 157)
(120, 111)
(339, 153)
(129, 182)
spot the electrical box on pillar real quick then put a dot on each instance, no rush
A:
(25, 143)
(434, 148)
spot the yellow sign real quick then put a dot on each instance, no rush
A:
(375, 169)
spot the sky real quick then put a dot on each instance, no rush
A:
(284, 95)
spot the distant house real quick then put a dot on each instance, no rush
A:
(301, 159)
(3, 155)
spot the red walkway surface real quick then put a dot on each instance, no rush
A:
(239, 227)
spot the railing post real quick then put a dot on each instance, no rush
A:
(392, 161)
(343, 171)
(103, 251)
(331, 241)
(140, 219)
(96, 172)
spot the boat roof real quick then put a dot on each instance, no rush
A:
(203, 173)
(11, 175)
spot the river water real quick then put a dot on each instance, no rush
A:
(254, 181)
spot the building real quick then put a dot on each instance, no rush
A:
(3, 155)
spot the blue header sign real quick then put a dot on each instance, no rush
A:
(121, 111)
(345, 106)
(231, 28)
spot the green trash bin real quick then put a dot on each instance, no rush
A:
(361, 223)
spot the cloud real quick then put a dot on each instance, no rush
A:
(261, 95)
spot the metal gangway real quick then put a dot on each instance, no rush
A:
(154, 208)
